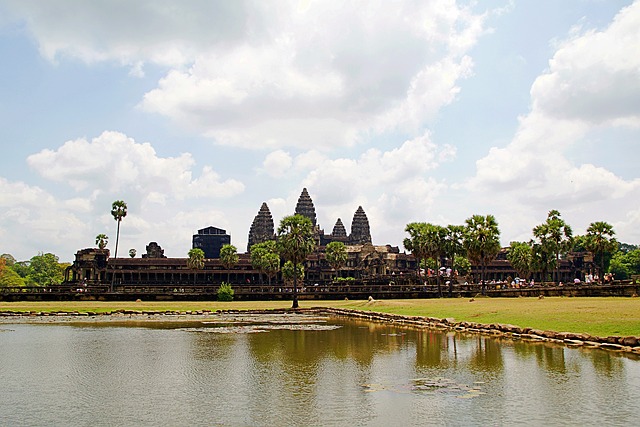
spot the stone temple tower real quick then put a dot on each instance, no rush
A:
(360, 232)
(262, 228)
(305, 207)
(339, 230)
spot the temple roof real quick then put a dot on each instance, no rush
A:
(338, 229)
(305, 207)
(262, 228)
(360, 232)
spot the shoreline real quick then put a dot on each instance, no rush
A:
(622, 344)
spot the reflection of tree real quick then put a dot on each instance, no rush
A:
(487, 355)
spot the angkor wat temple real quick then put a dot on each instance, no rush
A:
(262, 228)
(94, 266)
(366, 262)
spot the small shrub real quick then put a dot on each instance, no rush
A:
(225, 292)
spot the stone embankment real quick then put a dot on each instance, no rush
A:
(629, 344)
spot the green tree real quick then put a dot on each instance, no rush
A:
(225, 292)
(195, 261)
(416, 243)
(463, 265)
(520, 255)
(9, 260)
(482, 241)
(9, 278)
(435, 245)
(265, 258)
(228, 257)
(45, 270)
(102, 240)
(600, 241)
(118, 211)
(295, 242)
(555, 236)
(453, 243)
(336, 255)
(289, 270)
(22, 268)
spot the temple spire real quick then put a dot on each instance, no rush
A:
(262, 228)
(360, 232)
(305, 207)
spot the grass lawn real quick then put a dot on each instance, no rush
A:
(595, 316)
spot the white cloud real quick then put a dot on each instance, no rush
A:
(277, 163)
(593, 83)
(115, 163)
(595, 77)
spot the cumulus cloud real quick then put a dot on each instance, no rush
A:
(373, 67)
(592, 84)
(114, 162)
(394, 186)
(277, 163)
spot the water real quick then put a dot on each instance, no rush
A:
(334, 373)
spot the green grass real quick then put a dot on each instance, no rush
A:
(595, 316)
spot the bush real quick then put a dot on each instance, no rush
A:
(225, 292)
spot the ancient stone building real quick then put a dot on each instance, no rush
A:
(211, 240)
(305, 207)
(261, 228)
(338, 230)
(360, 232)
(154, 251)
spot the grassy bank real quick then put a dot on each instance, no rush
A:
(595, 316)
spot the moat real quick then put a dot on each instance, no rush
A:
(302, 370)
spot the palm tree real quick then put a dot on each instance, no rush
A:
(556, 236)
(102, 240)
(295, 242)
(195, 261)
(264, 257)
(228, 257)
(482, 241)
(600, 240)
(520, 256)
(452, 246)
(336, 255)
(416, 243)
(435, 237)
(119, 211)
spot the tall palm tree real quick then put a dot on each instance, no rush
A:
(416, 243)
(102, 240)
(296, 240)
(435, 237)
(556, 235)
(228, 257)
(336, 255)
(119, 211)
(600, 240)
(482, 241)
(453, 245)
(195, 261)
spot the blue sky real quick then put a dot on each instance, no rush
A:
(196, 112)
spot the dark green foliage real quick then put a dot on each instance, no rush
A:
(225, 292)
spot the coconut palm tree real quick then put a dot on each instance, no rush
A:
(453, 245)
(336, 255)
(482, 241)
(119, 211)
(228, 257)
(295, 241)
(102, 240)
(600, 240)
(520, 256)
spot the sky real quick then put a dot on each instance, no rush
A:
(196, 112)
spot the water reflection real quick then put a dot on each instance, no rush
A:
(360, 373)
